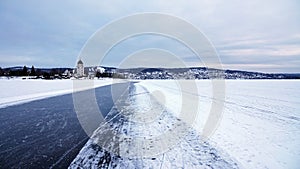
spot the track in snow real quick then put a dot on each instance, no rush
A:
(137, 122)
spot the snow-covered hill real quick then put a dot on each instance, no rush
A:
(199, 73)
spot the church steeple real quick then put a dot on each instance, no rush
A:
(79, 62)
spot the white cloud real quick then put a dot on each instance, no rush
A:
(274, 51)
(237, 28)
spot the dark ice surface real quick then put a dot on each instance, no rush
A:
(46, 133)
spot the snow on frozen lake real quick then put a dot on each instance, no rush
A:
(16, 91)
(260, 126)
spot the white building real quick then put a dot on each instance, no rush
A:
(91, 73)
(100, 69)
(80, 69)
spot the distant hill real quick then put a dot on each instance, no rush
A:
(200, 73)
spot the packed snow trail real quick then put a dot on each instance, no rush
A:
(139, 124)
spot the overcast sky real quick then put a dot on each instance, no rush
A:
(256, 35)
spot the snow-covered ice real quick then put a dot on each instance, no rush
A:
(16, 91)
(141, 133)
(259, 128)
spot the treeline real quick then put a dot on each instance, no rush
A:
(54, 73)
(18, 72)
(34, 72)
(109, 75)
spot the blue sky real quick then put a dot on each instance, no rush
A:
(257, 35)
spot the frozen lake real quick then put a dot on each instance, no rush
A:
(259, 128)
(45, 133)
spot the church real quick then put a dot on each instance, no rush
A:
(80, 69)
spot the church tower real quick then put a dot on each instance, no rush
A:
(80, 68)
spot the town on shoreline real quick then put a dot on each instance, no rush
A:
(93, 72)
